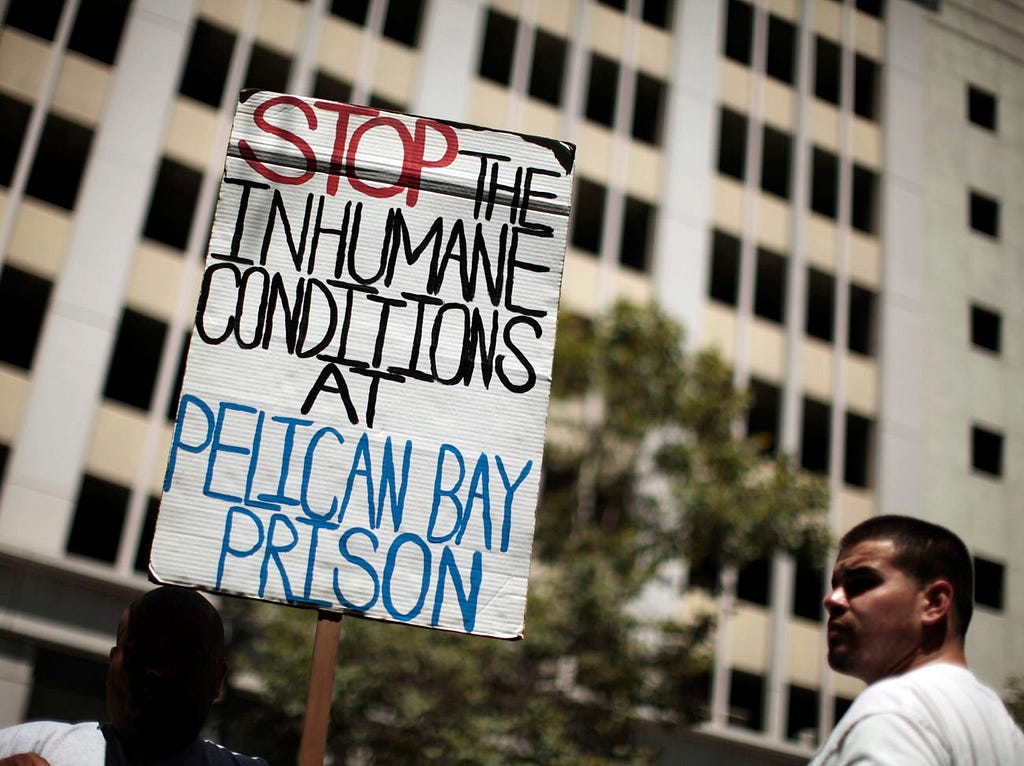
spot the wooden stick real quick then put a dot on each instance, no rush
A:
(313, 744)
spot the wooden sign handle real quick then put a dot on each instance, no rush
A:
(313, 744)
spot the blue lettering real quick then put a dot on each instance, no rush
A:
(510, 493)
(225, 543)
(281, 497)
(360, 467)
(251, 475)
(274, 550)
(387, 485)
(389, 571)
(478, 489)
(219, 446)
(467, 603)
(450, 493)
(307, 470)
(362, 564)
(179, 427)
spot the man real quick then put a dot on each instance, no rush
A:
(165, 671)
(898, 612)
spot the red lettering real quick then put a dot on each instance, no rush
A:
(259, 118)
(340, 135)
(412, 167)
(353, 149)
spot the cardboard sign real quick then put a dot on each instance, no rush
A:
(362, 417)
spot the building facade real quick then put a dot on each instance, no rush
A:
(827, 191)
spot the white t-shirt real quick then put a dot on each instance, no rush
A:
(938, 714)
(83, 744)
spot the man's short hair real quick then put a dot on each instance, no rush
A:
(926, 552)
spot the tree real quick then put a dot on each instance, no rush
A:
(645, 464)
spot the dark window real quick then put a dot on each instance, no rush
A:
(206, 70)
(746, 700)
(872, 7)
(602, 89)
(808, 590)
(781, 47)
(619, 5)
(136, 359)
(23, 300)
(98, 27)
(378, 101)
(986, 328)
(821, 301)
(770, 286)
(827, 74)
(353, 10)
(268, 70)
(658, 13)
(331, 88)
(824, 183)
(802, 714)
(842, 704)
(499, 43)
(37, 17)
(732, 144)
(99, 518)
(815, 435)
(66, 687)
(402, 21)
(725, 268)
(989, 577)
(753, 583)
(637, 225)
(986, 451)
(59, 163)
(857, 455)
(775, 162)
(5, 452)
(739, 31)
(14, 117)
(648, 100)
(588, 216)
(548, 69)
(984, 214)
(982, 108)
(862, 321)
(179, 379)
(146, 538)
(863, 214)
(865, 87)
(763, 415)
(173, 204)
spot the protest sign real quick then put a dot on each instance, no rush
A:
(362, 415)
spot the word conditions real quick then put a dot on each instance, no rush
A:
(324, 512)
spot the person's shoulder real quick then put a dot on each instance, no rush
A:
(52, 738)
(218, 755)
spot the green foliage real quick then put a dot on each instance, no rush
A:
(630, 407)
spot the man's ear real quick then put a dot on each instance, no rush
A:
(938, 601)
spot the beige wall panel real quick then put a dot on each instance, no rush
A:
(339, 49)
(23, 59)
(224, 13)
(767, 349)
(489, 105)
(40, 240)
(862, 385)
(633, 286)
(735, 85)
(654, 51)
(191, 133)
(825, 125)
(593, 153)
(606, 31)
(556, 18)
(13, 393)
(81, 91)
(774, 219)
(579, 283)
(869, 36)
(751, 628)
(786, 9)
(806, 652)
(728, 204)
(865, 259)
(719, 327)
(118, 443)
(156, 280)
(779, 105)
(280, 24)
(395, 71)
(857, 505)
(867, 143)
(645, 166)
(828, 19)
(540, 118)
(822, 242)
(817, 369)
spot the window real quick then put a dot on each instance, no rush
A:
(981, 108)
(402, 21)
(857, 453)
(206, 70)
(588, 216)
(862, 321)
(746, 700)
(136, 359)
(824, 183)
(763, 415)
(331, 88)
(986, 451)
(602, 90)
(821, 301)
(986, 328)
(725, 268)
(636, 234)
(781, 48)
(268, 70)
(871, 8)
(23, 301)
(863, 214)
(98, 27)
(146, 538)
(815, 436)
(66, 687)
(802, 715)
(99, 518)
(14, 116)
(753, 582)
(732, 144)
(657, 13)
(827, 70)
(989, 577)
(984, 214)
(808, 589)
(865, 87)
(548, 69)
(499, 43)
(60, 162)
(619, 5)
(770, 286)
(775, 162)
(842, 704)
(179, 379)
(173, 204)
(648, 100)
(37, 17)
(378, 101)
(739, 31)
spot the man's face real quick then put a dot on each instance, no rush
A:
(874, 613)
